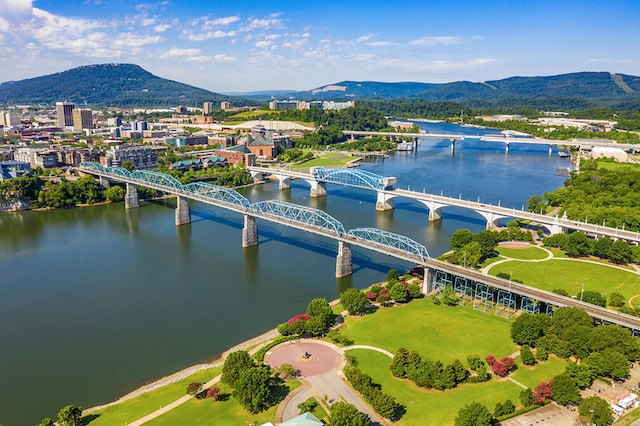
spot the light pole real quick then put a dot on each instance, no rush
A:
(581, 292)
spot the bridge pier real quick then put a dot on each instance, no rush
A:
(344, 265)
(183, 213)
(249, 232)
(104, 182)
(550, 150)
(284, 182)
(318, 189)
(429, 280)
(131, 199)
(506, 147)
(453, 145)
(384, 202)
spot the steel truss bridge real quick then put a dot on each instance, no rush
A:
(386, 193)
(484, 291)
(293, 215)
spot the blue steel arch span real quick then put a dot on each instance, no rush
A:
(219, 193)
(350, 177)
(290, 212)
(389, 240)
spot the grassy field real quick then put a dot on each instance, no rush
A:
(140, 406)
(326, 160)
(250, 115)
(570, 275)
(428, 328)
(220, 413)
(431, 407)
(543, 371)
(529, 253)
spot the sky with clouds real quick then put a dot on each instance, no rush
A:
(239, 46)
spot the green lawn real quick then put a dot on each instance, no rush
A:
(529, 253)
(328, 160)
(436, 332)
(431, 407)
(543, 371)
(570, 275)
(135, 408)
(219, 413)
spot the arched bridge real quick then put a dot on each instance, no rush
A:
(293, 215)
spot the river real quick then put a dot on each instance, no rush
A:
(96, 301)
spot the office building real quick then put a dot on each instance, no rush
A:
(207, 108)
(82, 119)
(64, 111)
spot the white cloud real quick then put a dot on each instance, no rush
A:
(431, 41)
(175, 52)
(147, 21)
(161, 28)
(208, 35)
(15, 10)
(221, 57)
(364, 38)
(272, 21)
(383, 44)
(133, 40)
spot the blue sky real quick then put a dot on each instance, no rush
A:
(236, 46)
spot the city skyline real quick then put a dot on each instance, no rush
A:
(284, 45)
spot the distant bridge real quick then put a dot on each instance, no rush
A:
(507, 140)
(353, 177)
(485, 292)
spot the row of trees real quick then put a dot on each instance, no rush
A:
(382, 403)
(253, 385)
(578, 244)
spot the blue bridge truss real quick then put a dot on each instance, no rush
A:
(350, 177)
(304, 217)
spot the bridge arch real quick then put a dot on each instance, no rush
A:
(218, 193)
(156, 178)
(93, 165)
(389, 240)
(352, 177)
(302, 215)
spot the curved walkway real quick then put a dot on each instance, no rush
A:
(373, 348)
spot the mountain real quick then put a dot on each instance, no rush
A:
(124, 85)
(597, 87)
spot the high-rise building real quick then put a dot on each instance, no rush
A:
(82, 119)
(139, 126)
(225, 105)
(64, 110)
(207, 108)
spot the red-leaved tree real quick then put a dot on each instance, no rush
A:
(541, 392)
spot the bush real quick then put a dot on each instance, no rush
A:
(527, 356)
(213, 393)
(194, 387)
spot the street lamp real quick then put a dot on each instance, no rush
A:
(582, 292)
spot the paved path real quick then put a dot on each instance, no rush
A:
(373, 348)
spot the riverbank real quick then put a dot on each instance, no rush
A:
(186, 372)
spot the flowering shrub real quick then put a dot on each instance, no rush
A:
(508, 362)
(302, 317)
(213, 392)
(371, 295)
(490, 359)
(499, 369)
(193, 388)
(541, 392)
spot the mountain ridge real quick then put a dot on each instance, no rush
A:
(130, 85)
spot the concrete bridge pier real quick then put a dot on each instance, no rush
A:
(506, 147)
(453, 145)
(493, 220)
(318, 189)
(104, 182)
(183, 213)
(344, 265)
(284, 182)
(384, 202)
(550, 150)
(435, 210)
(131, 199)
(429, 280)
(249, 232)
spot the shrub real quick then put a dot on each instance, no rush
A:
(527, 356)
(490, 359)
(298, 317)
(213, 393)
(194, 387)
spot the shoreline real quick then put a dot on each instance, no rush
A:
(187, 371)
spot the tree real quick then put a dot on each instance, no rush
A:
(253, 389)
(565, 389)
(527, 356)
(578, 244)
(392, 275)
(234, 365)
(88, 189)
(527, 328)
(354, 301)
(602, 246)
(616, 300)
(596, 409)
(526, 397)
(320, 308)
(536, 204)
(460, 238)
(345, 414)
(474, 414)
(46, 422)
(287, 371)
(194, 387)
(114, 193)
(400, 363)
(449, 296)
(70, 416)
(581, 373)
(128, 164)
(593, 297)
(542, 392)
(620, 252)
(399, 293)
